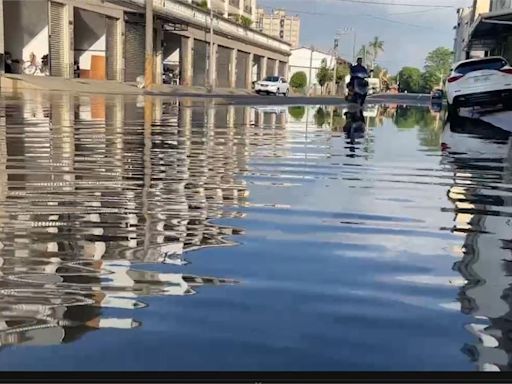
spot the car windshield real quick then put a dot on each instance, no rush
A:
(471, 66)
(273, 79)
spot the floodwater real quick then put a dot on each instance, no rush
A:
(156, 234)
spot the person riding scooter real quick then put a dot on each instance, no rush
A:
(357, 72)
(357, 69)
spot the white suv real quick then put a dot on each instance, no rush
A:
(479, 83)
(272, 85)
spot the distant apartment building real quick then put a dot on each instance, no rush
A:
(278, 24)
(230, 8)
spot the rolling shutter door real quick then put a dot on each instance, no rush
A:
(112, 48)
(57, 43)
(134, 51)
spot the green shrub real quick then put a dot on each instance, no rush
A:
(299, 80)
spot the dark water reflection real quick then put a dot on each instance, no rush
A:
(195, 236)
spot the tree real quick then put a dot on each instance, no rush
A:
(438, 63)
(299, 80)
(365, 53)
(245, 21)
(341, 72)
(410, 79)
(297, 112)
(429, 81)
(320, 117)
(324, 74)
(203, 4)
(376, 46)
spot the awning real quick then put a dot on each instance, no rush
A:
(489, 28)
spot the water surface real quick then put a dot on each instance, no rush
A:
(157, 234)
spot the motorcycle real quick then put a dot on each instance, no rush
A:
(355, 126)
(358, 92)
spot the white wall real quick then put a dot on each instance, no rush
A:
(301, 60)
(26, 28)
(171, 52)
(89, 36)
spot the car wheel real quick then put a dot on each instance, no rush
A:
(286, 93)
(453, 110)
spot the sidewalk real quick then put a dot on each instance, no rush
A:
(47, 83)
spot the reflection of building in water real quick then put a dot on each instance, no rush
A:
(481, 169)
(88, 189)
(37, 315)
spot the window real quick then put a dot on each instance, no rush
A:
(272, 79)
(495, 63)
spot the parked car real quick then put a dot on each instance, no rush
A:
(437, 95)
(483, 82)
(273, 85)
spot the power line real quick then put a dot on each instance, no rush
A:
(376, 2)
(364, 15)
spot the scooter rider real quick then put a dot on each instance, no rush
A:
(355, 69)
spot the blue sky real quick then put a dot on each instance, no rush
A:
(408, 32)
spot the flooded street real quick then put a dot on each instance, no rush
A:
(163, 234)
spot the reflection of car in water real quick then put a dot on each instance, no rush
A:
(273, 109)
(474, 151)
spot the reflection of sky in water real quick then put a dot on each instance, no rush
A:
(268, 238)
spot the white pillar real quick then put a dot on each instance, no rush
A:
(159, 54)
(69, 52)
(232, 68)
(263, 67)
(186, 60)
(2, 45)
(276, 67)
(248, 79)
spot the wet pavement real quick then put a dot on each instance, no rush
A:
(141, 233)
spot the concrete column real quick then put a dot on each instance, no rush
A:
(285, 72)
(263, 67)
(186, 60)
(159, 53)
(248, 71)
(120, 49)
(149, 56)
(69, 54)
(276, 67)
(226, 8)
(2, 45)
(232, 68)
(212, 67)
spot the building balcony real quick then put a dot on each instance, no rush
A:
(184, 12)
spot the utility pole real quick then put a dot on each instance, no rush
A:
(149, 63)
(211, 57)
(354, 48)
(310, 66)
(335, 65)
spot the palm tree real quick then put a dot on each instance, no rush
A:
(376, 46)
(365, 53)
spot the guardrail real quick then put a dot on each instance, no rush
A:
(180, 10)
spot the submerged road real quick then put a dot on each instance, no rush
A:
(384, 98)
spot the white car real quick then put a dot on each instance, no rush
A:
(272, 85)
(479, 83)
